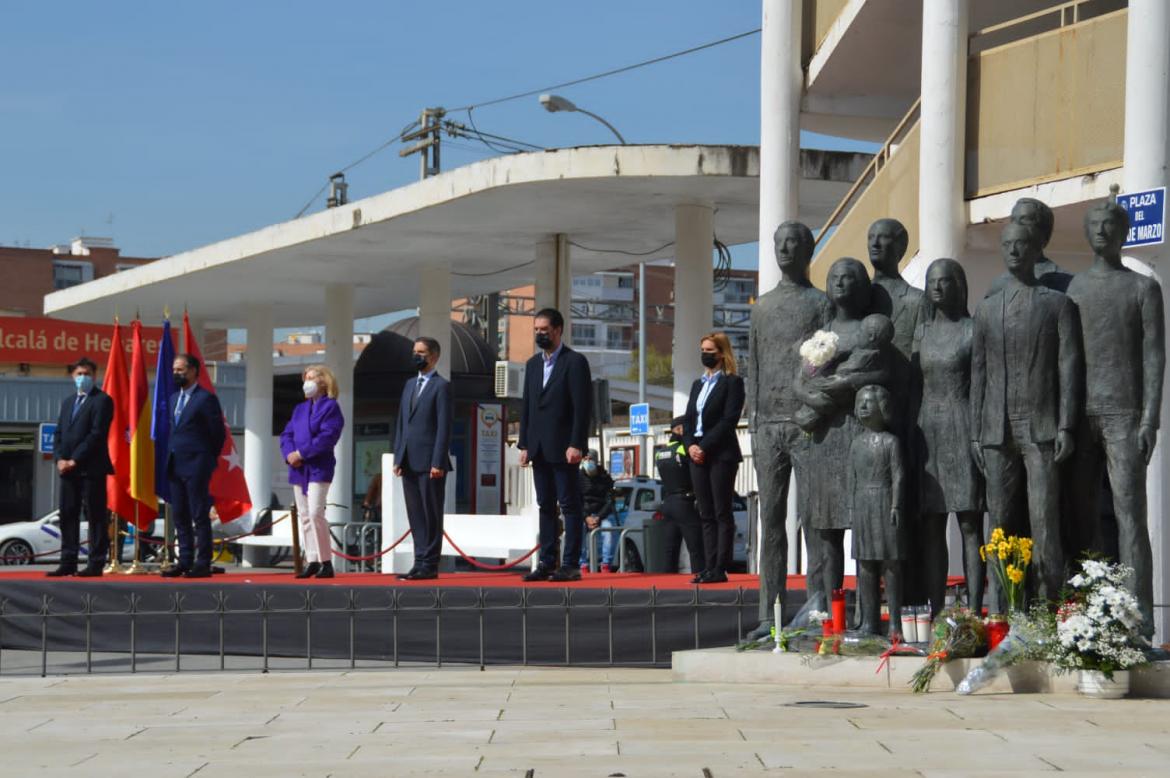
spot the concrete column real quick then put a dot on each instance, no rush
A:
(339, 359)
(434, 311)
(1147, 156)
(693, 295)
(258, 446)
(944, 115)
(781, 84)
(554, 278)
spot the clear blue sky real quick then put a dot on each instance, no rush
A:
(167, 126)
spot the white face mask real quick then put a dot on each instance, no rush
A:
(311, 389)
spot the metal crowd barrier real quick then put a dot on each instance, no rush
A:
(358, 538)
(592, 539)
(393, 608)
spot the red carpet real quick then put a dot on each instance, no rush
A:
(508, 579)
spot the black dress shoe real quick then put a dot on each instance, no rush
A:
(565, 573)
(198, 572)
(90, 571)
(423, 575)
(310, 570)
(541, 573)
(326, 570)
(174, 572)
(407, 576)
(713, 578)
(63, 571)
(698, 578)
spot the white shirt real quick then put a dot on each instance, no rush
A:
(709, 382)
(423, 380)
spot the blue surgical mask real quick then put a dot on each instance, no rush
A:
(83, 383)
(590, 467)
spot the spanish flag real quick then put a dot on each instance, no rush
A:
(141, 445)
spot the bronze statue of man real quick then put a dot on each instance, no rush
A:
(1026, 368)
(1125, 355)
(1031, 212)
(782, 319)
(893, 297)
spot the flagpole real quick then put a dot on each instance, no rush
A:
(113, 566)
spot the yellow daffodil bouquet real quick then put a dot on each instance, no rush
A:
(1008, 557)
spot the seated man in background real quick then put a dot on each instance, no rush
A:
(597, 497)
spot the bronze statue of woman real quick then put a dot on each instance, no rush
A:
(950, 481)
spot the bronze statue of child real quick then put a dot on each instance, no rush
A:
(876, 492)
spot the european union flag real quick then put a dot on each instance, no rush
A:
(160, 424)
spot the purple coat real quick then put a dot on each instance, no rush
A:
(313, 430)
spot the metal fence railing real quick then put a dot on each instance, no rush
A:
(577, 627)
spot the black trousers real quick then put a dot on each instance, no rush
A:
(683, 525)
(88, 494)
(190, 511)
(424, 510)
(557, 484)
(714, 484)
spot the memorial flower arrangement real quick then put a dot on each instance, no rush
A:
(819, 350)
(957, 633)
(1099, 625)
(1032, 639)
(1008, 557)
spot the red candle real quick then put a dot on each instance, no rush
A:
(997, 629)
(838, 610)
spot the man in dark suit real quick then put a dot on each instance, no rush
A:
(197, 437)
(80, 447)
(1026, 397)
(554, 433)
(422, 439)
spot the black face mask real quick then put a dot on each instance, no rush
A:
(180, 379)
(708, 359)
(543, 341)
(420, 362)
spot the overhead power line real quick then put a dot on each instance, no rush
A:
(607, 73)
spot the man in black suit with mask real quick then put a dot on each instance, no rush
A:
(81, 449)
(554, 434)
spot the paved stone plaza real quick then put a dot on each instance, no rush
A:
(549, 722)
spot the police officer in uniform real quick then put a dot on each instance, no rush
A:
(678, 500)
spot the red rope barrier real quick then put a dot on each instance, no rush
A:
(372, 557)
(481, 566)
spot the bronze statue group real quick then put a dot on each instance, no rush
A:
(906, 408)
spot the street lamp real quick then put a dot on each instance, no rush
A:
(554, 103)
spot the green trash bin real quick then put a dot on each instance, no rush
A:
(654, 539)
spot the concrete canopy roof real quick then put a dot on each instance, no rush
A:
(484, 220)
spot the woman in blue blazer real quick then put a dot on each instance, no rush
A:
(307, 445)
(713, 411)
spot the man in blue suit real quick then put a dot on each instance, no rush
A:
(422, 438)
(197, 437)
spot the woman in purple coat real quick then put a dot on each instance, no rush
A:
(307, 445)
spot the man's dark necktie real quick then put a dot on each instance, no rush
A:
(417, 390)
(76, 406)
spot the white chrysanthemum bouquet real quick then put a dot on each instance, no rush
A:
(1099, 628)
(818, 351)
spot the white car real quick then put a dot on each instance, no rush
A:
(28, 542)
(638, 501)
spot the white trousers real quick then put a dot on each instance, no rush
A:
(315, 540)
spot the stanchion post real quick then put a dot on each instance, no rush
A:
(113, 565)
(296, 537)
(136, 567)
(168, 538)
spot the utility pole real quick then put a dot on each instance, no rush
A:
(430, 125)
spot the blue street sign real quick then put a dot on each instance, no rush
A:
(46, 436)
(1147, 217)
(640, 419)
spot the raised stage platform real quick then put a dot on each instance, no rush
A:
(480, 618)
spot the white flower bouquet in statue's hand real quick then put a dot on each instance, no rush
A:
(817, 355)
(818, 351)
